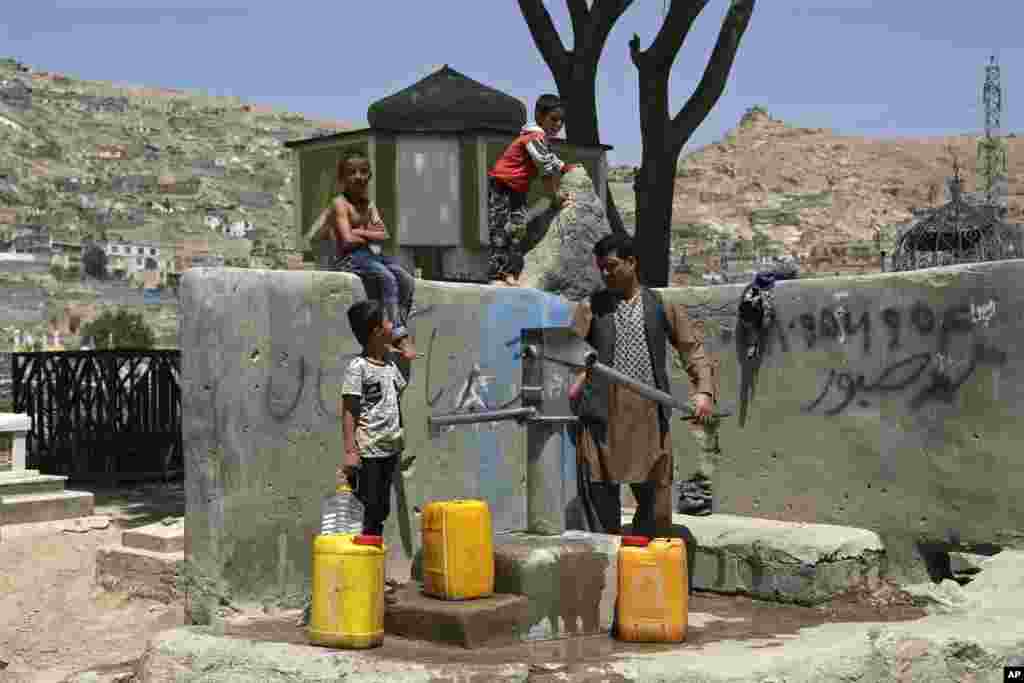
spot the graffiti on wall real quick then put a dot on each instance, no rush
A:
(283, 397)
(929, 376)
(933, 376)
(942, 380)
(469, 389)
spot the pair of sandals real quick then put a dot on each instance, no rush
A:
(695, 496)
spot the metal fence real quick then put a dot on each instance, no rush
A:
(101, 415)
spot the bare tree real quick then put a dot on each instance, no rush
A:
(575, 71)
(663, 136)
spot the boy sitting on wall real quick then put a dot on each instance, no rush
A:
(354, 224)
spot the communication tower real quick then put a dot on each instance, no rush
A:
(992, 166)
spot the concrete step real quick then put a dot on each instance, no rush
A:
(484, 622)
(139, 573)
(793, 562)
(29, 481)
(161, 537)
(24, 508)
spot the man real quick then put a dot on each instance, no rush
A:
(622, 436)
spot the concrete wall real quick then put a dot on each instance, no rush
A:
(887, 402)
(263, 358)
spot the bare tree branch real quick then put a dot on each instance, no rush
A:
(716, 73)
(673, 32)
(579, 14)
(546, 38)
(603, 16)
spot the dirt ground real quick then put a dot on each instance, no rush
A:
(56, 622)
(54, 619)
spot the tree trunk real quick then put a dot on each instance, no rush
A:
(575, 71)
(664, 136)
(655, 190)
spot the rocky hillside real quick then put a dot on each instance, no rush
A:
(800, 187)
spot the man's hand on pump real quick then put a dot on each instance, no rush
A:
(577, 386)
(703, 407)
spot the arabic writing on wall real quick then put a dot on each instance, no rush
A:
(934, 375)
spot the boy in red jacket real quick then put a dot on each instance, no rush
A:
(509, 181)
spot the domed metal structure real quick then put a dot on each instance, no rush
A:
(447, 101)
(957, 232)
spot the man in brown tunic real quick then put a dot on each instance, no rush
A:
(623, 437)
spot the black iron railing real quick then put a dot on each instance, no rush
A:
(101, 415)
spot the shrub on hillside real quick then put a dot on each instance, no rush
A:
(119, 330)
(94, 261)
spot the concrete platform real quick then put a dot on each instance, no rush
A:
(24, 508)
(485, 622)
(791, 562)
(147, 562)
(570, 580)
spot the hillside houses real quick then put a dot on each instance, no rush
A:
(31, 249)
(131, 258)
(236, 229)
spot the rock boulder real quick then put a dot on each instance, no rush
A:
(562, 260)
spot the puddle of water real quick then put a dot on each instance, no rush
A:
(713, 618)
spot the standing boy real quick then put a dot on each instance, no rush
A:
(353, 223)
(372, 433)
(509, 181)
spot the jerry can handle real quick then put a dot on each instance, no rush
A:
(363, 539)
(636, 541)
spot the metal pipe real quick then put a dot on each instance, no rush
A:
(545, 490)
(656, 395)
(476, 418)
(645, 390)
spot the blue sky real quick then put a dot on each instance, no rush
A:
(876, 68)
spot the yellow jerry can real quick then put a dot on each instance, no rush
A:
(653, 602)
(458, 550)
(348, 591)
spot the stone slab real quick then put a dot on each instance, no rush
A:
(490, 621)
(43, 507)
(158, 538)
(791, 562)
(139, 573)
(29, 481)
